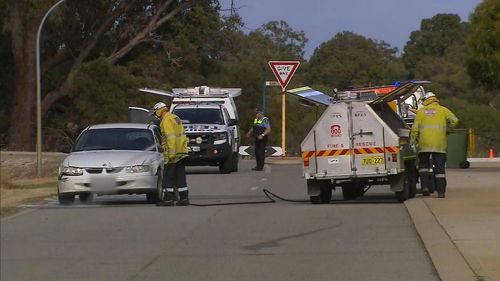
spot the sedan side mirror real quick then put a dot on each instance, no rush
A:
(65, 148)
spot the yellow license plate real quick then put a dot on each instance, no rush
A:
(376, 160)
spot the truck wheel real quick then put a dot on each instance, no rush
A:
(404, 194)
(359, 189)
(315, 199)
(236, 159)
(325, 191)
(65, 199)
(351, 191)
(411, 175)
(226, 167)
(325, 195)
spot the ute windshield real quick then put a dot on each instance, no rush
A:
(198, 115)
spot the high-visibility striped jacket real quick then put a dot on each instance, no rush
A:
(431, 125)
(260, 125)
(174, 140)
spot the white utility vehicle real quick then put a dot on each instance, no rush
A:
(210, 119)
(358, 143)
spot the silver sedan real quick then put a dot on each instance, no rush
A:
(121, 158)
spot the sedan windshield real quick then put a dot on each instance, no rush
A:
(199, 115)
(115, 139)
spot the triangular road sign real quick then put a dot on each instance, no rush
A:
(283, 70)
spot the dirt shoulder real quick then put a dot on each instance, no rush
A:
(19, 183)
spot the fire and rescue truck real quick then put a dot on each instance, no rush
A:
(360, 140)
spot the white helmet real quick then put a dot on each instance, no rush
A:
(428, 95)
(159, 105)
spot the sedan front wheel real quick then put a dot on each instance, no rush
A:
(65, 199)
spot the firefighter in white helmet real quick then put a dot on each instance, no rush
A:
(429, 133)
(174, 144)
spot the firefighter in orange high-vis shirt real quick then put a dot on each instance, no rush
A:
(174, 144)
(429, 133)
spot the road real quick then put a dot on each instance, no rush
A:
(123, 238)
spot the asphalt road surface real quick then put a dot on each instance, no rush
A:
(123, 238)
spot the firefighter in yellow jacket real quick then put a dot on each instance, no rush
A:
(429, 133)
(174, 144)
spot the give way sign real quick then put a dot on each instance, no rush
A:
(283, 71)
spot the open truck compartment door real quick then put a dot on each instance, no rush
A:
(310, 96)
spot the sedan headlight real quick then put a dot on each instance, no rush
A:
(71, 171)
(137, 169)
(220, 138)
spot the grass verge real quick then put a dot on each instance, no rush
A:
(29, 191)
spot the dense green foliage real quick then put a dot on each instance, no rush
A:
(198, 46)
(350, 59)
(484, 45)
(437, 52)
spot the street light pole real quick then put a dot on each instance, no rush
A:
(39, 94)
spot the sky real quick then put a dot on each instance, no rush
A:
(391, 21)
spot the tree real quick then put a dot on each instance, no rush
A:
(437, 52)
(175, 57)
(124, 24)
(285, 40)
(351, 59)
(435, 37)
(484, 45)
(5, 73)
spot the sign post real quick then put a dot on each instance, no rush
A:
(283, 71)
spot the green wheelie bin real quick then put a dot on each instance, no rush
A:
(456, 152)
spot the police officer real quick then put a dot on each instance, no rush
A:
(260, 130)
(429, 133)
(174, 144)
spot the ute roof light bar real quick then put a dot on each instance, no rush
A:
(206, 92)
(196, 92)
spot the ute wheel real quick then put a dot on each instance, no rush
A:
(236, 158)
(85, 197)
(65, 199)
(226, 167)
